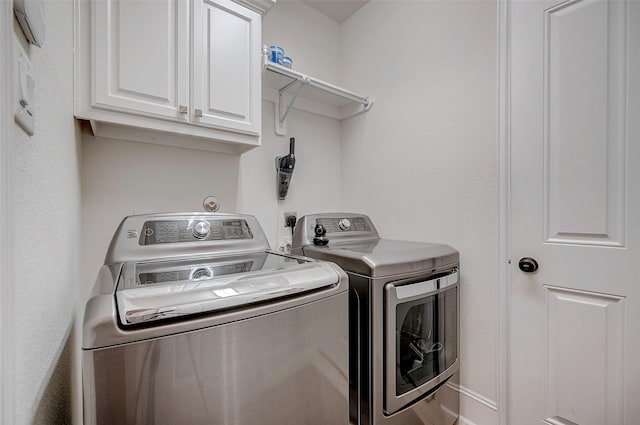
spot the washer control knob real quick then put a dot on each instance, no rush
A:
(201, 229)
(344, 224)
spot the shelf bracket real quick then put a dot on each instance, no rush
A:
(282, 110)
(354, 109)
(289, 82)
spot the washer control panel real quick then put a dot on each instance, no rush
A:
(173, 231)
(201, 229)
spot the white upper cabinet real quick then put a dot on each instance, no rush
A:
(174, 72)
(142, 57)
(226, 65)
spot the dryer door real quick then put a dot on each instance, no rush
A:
(421, 337)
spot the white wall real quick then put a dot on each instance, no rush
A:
(422, 161)
(311, 39)
(315, 185)
(46, 218)
(6, 228)
(121, 178)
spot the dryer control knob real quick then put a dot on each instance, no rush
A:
(321, 235)
(344, 224)
(201, 229)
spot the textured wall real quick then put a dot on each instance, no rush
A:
(311, 39)
(422, 162)
(121, 178)
(315, 185)
(46, 217)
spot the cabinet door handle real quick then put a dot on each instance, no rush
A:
(198, 113)
(182, 109)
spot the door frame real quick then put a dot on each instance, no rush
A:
(7, 321)
(504, 192)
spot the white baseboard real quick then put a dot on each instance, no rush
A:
(475, 409)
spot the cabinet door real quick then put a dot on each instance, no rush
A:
(226, 90)
(141, 57)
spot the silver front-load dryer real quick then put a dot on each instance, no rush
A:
(193, 320)
(404, 319)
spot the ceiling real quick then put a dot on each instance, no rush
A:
(338, 10)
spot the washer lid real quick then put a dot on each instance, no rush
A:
(156, 290)
(384, 257)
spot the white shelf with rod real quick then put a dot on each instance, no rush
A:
(309, 93)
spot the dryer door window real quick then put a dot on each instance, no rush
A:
(423, 348)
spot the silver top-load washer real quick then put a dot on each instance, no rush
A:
(193, 320)
(403, 319)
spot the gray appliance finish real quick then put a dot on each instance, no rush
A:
(403, 319)
(193, 320)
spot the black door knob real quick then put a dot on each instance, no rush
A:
(528, 264)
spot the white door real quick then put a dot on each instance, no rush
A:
(226, 85)
(574, 352)
(141, 57)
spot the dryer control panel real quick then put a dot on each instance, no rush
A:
(336, 227)
(344, 224)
